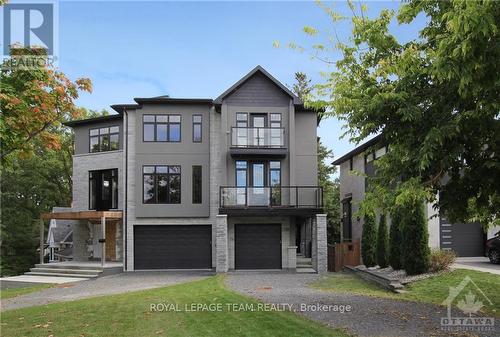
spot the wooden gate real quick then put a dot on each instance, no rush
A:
(343, 254)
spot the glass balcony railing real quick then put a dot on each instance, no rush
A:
(258, 137)
(272, 197)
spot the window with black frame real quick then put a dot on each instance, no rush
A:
(161, 128)
(104, 139)
(161, 184)
(275, 182)
(197, 185)
(103, 189)
(197, 129)
(276, 133)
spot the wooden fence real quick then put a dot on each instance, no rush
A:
(343, 254)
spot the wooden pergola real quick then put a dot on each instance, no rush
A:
(81, 215)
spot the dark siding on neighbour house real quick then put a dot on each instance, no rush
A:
(258, 91)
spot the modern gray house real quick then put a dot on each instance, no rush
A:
(466, 239)
(197, 183)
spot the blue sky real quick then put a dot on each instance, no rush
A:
(193, 49)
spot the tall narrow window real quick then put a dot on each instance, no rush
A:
(275, 182)
(241, 182)
(161, 184)
(161, 128)
(241, 129)
(197, 185)
(197, 128)
(276, 131)
(104, 139)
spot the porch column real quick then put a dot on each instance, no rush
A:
(320, 244)
(42, 233)
(103, 240)
(221, 244)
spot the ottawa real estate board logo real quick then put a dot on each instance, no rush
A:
(29, 33)
(470, 299)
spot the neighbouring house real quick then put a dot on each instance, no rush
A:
(60, 239)
(199, 183)
(466, 239)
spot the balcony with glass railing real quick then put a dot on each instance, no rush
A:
(258, 141)
(257, 137)
(284, 198)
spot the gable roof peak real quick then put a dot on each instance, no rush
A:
(257, 69)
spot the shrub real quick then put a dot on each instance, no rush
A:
(369, 241)
(382, 243)
(441, 260)
(395, 239)
(415, 242)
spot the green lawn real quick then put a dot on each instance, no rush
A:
(13, 292)
(431, 290)
(129, 315)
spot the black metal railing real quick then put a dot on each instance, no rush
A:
(271, 197)
(258, 137)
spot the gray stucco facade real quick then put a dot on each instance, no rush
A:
(258, 93)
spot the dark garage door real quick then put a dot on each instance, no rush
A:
(257, 246)
(173, 247)
(465, 239)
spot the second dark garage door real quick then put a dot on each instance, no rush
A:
(172, 247)
(257, 246)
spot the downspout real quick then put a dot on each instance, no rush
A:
(125, 222)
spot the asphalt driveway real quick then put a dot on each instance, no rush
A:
(369, 316)
(108, 285)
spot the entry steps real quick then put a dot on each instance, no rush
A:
(304, 265)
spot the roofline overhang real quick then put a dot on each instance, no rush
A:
(361, 148)
(93, 120)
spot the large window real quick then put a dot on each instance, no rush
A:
(161, 128)
(161, 184)
(103, 189)
(197, 128)
(104, 139)
(197, 185)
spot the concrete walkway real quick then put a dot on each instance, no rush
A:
(107, 285)
(26, 280)
(368, 316)
(477, 263)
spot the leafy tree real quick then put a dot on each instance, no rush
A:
(302, 86)
(382, 243)
(416, 252)
(34, 102)
(369, 240)
(30, 186)
(331, 187)
(331, 192)
(395, 240)
(435, 100)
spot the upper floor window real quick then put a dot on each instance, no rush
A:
(241, 120)
(351, 164)
(197, 185)
(161, 184)
(161, 128)
(275, 120)
(196, 128)
(104, 139)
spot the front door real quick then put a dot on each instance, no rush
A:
(346, 220)
(111, 241)
(258, 195)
